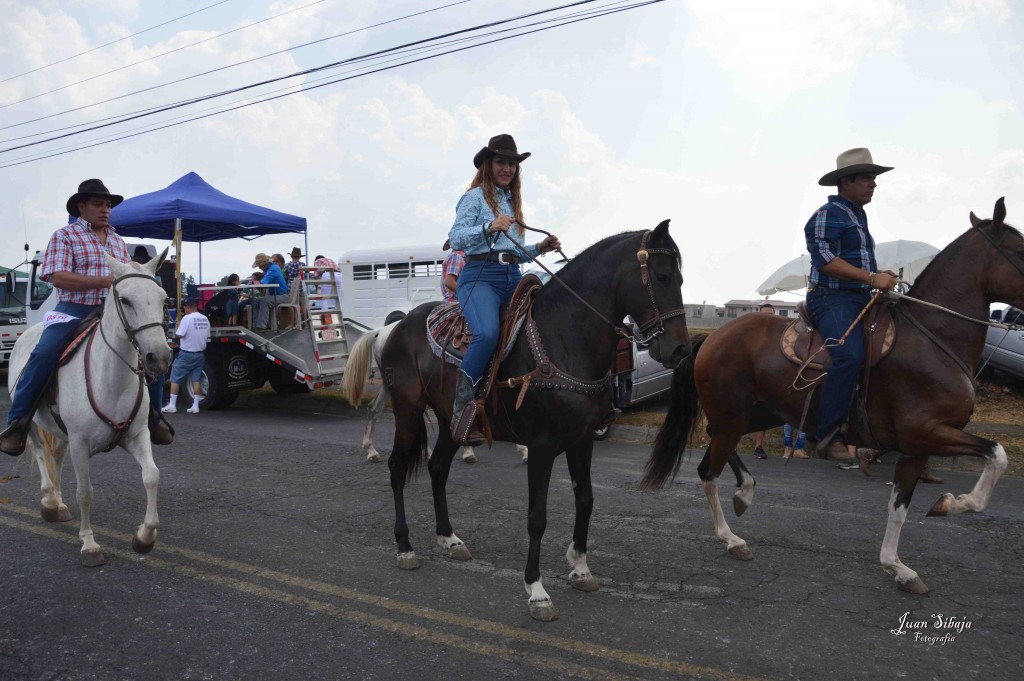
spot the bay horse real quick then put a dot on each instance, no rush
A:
(101, 400)
(369, 346)
(920, 396)
(633, 273)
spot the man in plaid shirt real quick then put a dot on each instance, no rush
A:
(74, 263)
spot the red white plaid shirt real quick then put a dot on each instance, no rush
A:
(76, 248)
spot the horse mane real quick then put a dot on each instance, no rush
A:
(940, 261)
(590, 252)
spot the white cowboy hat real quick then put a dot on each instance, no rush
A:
(851, 162)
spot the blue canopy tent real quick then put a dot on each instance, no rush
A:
(189, 209)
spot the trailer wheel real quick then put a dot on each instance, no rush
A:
(393, 317)
(283, 383)
(212, 390)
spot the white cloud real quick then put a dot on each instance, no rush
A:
(642, 57)
(961, 12)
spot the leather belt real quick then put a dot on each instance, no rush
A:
(500, 257)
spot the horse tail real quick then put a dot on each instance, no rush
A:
(357, 369)
(51, 446)
(683, 413)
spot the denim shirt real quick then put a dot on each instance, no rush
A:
(472, 218)
(839, 229)
(273, 275)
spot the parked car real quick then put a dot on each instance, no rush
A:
(637, 380)
(1004, 350)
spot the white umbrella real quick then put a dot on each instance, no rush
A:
(906, 258)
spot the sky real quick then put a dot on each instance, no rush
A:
(718, 115)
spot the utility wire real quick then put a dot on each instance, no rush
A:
(296, 74)
(112, 42)
(592, 15)
(162, 54)
(222, 68)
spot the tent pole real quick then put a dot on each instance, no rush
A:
(177, 269)
(305, 241)
(200, 262)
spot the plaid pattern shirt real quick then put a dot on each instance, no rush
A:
(839, 229)
(292, 270)
(76, 248)
(453, 265)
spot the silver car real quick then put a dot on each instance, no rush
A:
(1004, 350)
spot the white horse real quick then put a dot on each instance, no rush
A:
(358, 366)
(103, 384)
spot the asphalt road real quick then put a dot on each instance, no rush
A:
(275, 560)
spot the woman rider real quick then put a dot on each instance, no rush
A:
(488, 225)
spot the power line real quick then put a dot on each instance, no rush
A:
(221, 68)
(194, 100)
(577, 19)
(112, 42)
(162, 54)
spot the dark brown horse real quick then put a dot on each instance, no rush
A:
(919, 397)
(555, 417)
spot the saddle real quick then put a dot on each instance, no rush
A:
(801, 342)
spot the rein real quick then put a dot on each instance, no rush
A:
(128, 330)
(656, 324)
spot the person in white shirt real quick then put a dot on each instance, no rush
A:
(192, 335)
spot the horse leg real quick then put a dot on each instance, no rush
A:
(49, 454)
(977, 499)
(539, 476)
(140, 448)
(579, 457)
(92, 555)
(908, 470)
(439, 465)
(745, 483)
(408, 428)
(709, 470)
(375, 410)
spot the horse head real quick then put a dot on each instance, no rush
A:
(651, 292)
(139, 303)
(1003, 278)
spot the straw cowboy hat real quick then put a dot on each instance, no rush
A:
(851, 162)
(296, 252)
(91, 188)
(261, 260)
(500, 145)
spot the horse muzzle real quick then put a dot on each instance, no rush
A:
(158, 363)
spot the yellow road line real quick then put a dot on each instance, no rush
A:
(484, 626)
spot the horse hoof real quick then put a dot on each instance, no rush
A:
(942, 506)
(741, 552)
(586, 584)
(460, 552)
(913, 586)
(55, 515)
(139, 547)
(739, 506)
(373, 458)
(543, 612)
(93, 558)
(408, 561)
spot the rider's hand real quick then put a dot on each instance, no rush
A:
(106, 281)
(501, 223)
(884, 281)
(549, 244)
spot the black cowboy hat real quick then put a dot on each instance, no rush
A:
(296, 252)
(500, 145)
(91, 188)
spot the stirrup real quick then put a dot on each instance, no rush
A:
(464, 430)
(160, 431)
(14, 437)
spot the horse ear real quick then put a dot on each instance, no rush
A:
(975, 220)
(154, 265)
(661, 229)
(999, 213)
(117, 268)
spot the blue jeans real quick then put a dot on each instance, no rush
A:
(156, 392)
(833, 310)
(787, 437)
(482, 289)
(43, 360)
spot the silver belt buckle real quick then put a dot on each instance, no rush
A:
(505, 258)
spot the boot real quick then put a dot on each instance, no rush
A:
(836, 451)
(160, 431)
(13, 438)
(800, 454)
(465, 430)
(787, 452)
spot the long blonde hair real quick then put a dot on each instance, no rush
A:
(485, 180)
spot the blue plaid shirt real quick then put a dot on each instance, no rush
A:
(839, 229)
(472, 218)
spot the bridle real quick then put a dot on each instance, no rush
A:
(647, 331)
(129, 331)
(997, 245)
